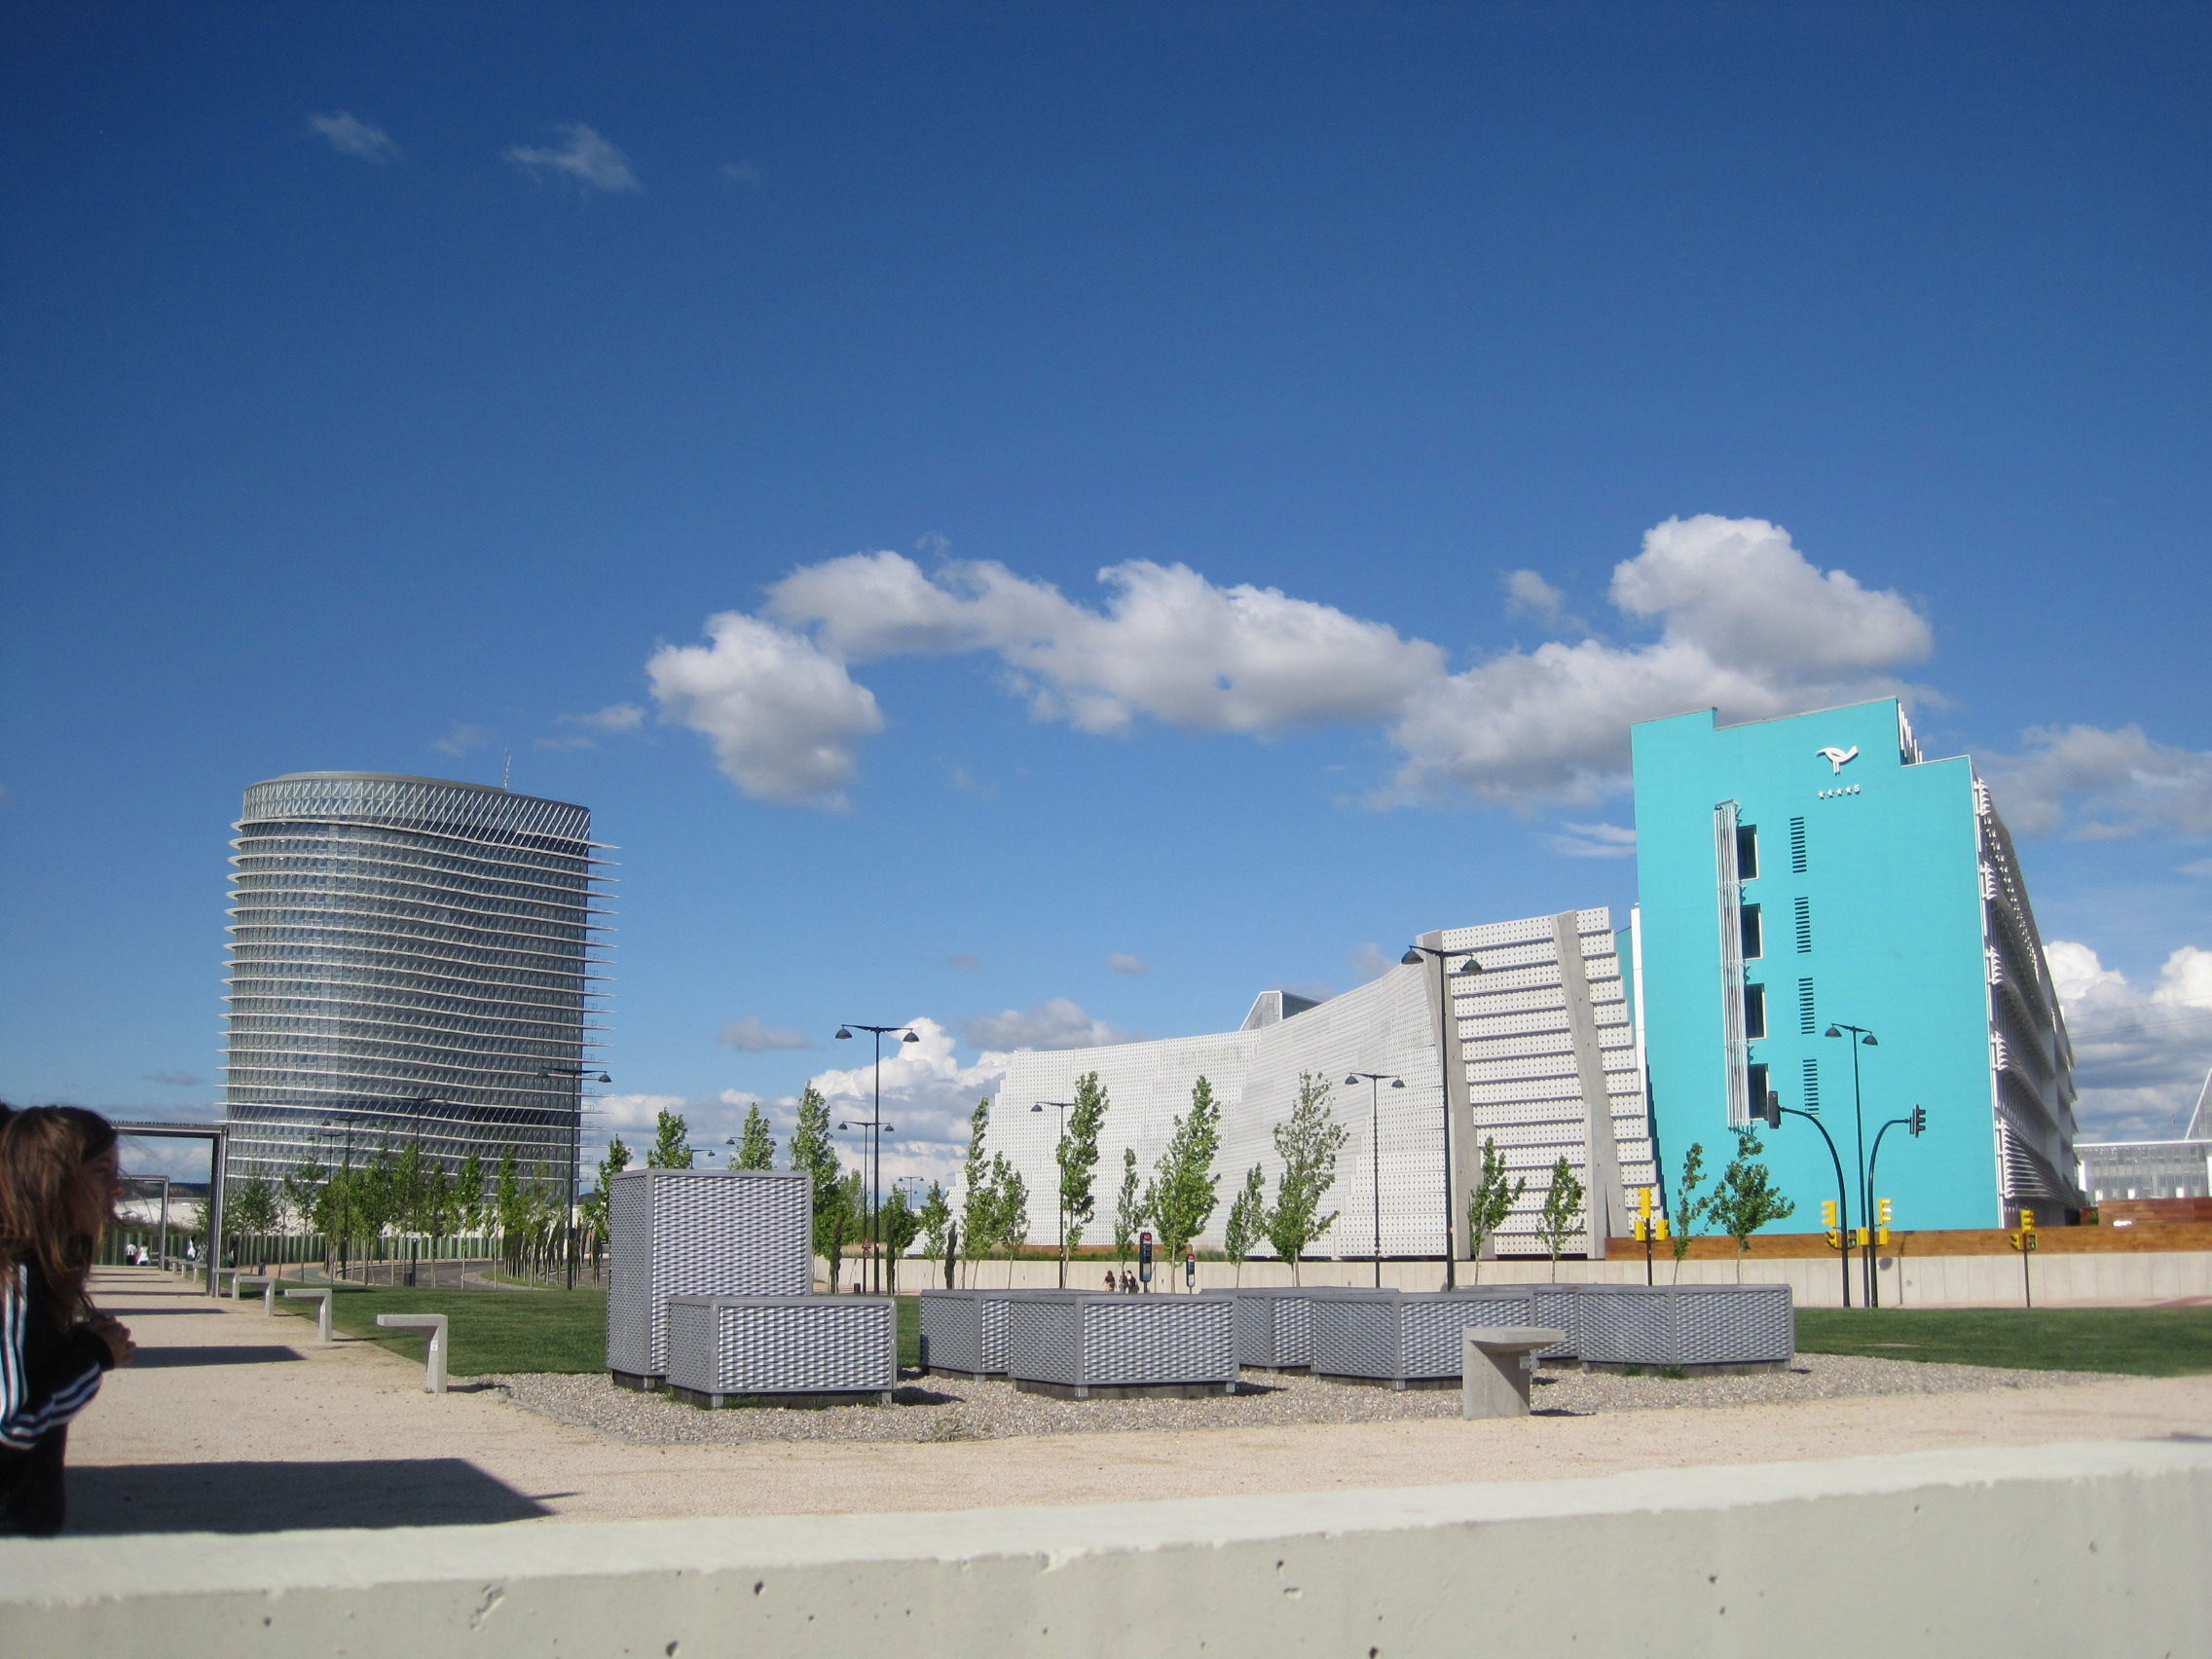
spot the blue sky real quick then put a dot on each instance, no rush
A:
(404, 388)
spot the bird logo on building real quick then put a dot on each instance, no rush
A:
(1835, 758)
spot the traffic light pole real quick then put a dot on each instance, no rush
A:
(1916, 1123)
(1842, 1186)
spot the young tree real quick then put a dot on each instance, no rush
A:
(469, 1194)
(439, 1206)
(410, 1179)
(840, 1218)
(1247, 1219)
(1746, 1198)
(813, 1152)
(755, 1146)
(303, 1188)
(1129, 1207)
(672, 1142)
(596, 1216)
(1308, 1142)
(1079, 1162)
(1181, 1196)
(510, 1209)
(936, 1226)
(901, 1225)
(1491, 1202)
(979, 1219)
(1009, 1211)
(1563, 1210)
(251, 1207)
(1690, 1210)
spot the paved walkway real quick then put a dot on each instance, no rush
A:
(234, 1421)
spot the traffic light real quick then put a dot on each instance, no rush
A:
(1769, 1110)
(1644, 1202)
(1827, 1212)
(1642, 1229)
(1832, 1223)
(1882, 1214)
(2027, 1221)
(1919, 1122)
(1662, 1226)
(1859, 1236)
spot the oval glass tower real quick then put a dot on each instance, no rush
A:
(411, 963)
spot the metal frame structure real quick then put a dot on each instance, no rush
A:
(219, 1137)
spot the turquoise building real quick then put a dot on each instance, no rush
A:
(1804, 875)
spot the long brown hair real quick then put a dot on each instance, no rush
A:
(43, 1154)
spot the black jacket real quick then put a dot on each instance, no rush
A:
(48, 1374)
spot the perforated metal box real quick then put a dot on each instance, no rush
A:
(698, 1233)
(1398, 1337)
(965, 1331)
(1553, 1306)
(1687, 1324)
(1275, 1327)
(720, 1346)
(1085, 1339)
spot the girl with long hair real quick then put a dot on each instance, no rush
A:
(58, 1183)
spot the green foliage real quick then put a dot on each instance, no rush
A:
(1491, 1201)
(510, 1204)
(1247, 1219)
(1308, 1142)
(898, 1221)
(1079, 1158)
(302, 1189)
(1129, 1207)
(1561, 1213)
(469, 1194)
(1747, 1198)
(935, 1219)
(755, 1146)
(814, 1153)
(840, 1218)
(1009, 1209)
(1689, 1211)
(595, 1209)
(672, 1142)
(251, 1207)
(1181, 1195)
(979, 1219)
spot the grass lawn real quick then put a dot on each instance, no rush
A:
(2143, 1342)
(516, 1330)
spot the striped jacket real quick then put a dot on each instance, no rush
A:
(46, 1376)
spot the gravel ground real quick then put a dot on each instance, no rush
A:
(943, 1407)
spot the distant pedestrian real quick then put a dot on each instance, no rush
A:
(1110, 1281)
(58, 1189)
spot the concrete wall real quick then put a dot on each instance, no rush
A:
(1929, 1281)
(2029, 1552)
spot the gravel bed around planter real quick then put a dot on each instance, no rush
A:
(941, 1408)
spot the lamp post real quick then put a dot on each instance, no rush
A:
(578, 1074)
(1059, 1177)
(874, 1125)
(1375, 1151)
(1865, 1039)
(1915, 1124)
(1771, 1112)
(1414, 957)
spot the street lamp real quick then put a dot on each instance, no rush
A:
(579, 1076)
(1771, 1111)
(1915, 1124)
(1061, 1177)
(874, 1125)
(1414, 957)
(1375, 1151)
(1859, 1117)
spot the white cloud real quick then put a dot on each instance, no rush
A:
(583, 731)
(1528, 594)
(749, 1035)
(586, 158)
(1122, 962)
(784, 716)
(351, 136)
(1057, 1023)
(1593, 841)
(2139, 1056)
(615, 1113)
(927, 1097)
(2097, 783)
(462, 738)
(1369, 961)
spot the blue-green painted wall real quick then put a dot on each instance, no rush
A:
(1893, 884)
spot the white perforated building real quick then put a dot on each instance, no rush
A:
(1540, 1055)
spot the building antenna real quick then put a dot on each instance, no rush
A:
(506, 768)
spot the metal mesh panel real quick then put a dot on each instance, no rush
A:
(1355, 1333)
(1753, 1324)
(965, 1329)
(1627, 1325)
(1558, 1307)
(1184, 1339)
(812, 1344)
(1275, 1328)
(699, 1233)
(1430, 1328)
(1044, 1340)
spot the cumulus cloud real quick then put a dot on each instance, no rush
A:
(583, 731)
(749, 1035)
(1122, 962)
(2140, 1055)
(1742, 622)
(784, 716)
(462, 739)
(1528, 594)
(1593, 841)
(1057, 1023)
(351, 135)
(927, 1096)
(612, 1114)
(2096, 782)
(586, 158)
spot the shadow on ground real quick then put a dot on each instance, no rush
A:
(254, 1353)
(285, 1498)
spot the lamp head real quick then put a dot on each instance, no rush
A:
(909, 1038)
(844, 1035)
(1398, 1083)
(1351, 1079)
(1466, 968)
(1869, 1040)
(1412, 957)
(1834, 1032)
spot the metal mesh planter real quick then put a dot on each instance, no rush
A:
(1399, 1339)
(1082, 1343)
(963, 1331)
(1688, 1325)
(782, 1349)
(1275, 1327)
(698, 1233)
(1548, 1305)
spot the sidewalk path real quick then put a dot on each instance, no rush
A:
(235, 1421)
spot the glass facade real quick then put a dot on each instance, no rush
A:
(411, 963)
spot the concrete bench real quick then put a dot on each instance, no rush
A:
(263, 1282)
(320, 1295)
(434, 1381)
(1496, 1365)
